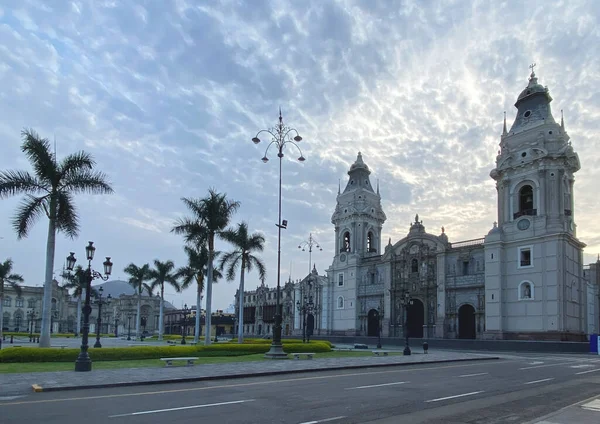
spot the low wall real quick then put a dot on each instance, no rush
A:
(462, 344)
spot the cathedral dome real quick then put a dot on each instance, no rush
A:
(359, 164)
(532, 88)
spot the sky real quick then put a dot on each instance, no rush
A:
(167, 95)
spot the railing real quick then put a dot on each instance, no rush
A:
(467, 243)
(525, 212)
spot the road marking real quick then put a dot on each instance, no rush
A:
(454, 397)
(582, 366)
(226, 386)
(4, 398)
(181, 408)
(539, 381)
(473, 375)
(544, 366)
(377, 385)
(588, 371)
(323, 421)
(592, 406)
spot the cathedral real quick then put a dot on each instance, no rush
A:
(525, 279)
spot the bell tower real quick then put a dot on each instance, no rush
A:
(358, 216)
(534, 271)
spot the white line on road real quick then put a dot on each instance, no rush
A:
(156, 411)
(324, 421)
(539, 381)
(473, 375)
(454, 397)
(547, 365)
(588, 371)
(377, 385)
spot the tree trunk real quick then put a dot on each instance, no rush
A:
(198, 309)
(47, 303)
(160, 314)
(208, 324)
(241, 297)
(78, 328)
(138, 319)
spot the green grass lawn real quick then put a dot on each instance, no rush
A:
(104, 365)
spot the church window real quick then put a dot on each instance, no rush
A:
(372, 277)
(7, 301)
(526, 200)
(19, 302)
(346, 247)
(525, 257)
(340, 302)
(527, 114)
(526, 290)
(351, 182)
(414, 266)
(370, 243)
(31, 303)
(340, 280)
(465, 267)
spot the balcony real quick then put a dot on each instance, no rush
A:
(525, 212)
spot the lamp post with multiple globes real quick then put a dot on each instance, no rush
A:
(100, 302)
(83, 362)
(281, 135)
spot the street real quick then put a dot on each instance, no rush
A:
(515, 389)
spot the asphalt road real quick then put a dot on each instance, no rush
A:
(512, 390)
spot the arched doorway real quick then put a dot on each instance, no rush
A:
(416, 319)
(466, 322)
(373, 323)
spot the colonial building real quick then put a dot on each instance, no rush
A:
(525, 279)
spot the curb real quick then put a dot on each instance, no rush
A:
(38, 388)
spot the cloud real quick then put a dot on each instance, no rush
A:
(167, 97)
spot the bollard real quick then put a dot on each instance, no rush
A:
(425, 347)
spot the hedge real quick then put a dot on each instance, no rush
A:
(28, 354)
(53, 335)
(269, 341)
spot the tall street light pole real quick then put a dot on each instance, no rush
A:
(406, 301)
(100, 303)
(83, 362)
(281, 135)
(310, 243)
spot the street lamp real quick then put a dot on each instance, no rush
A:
(307, 307)
(30, 322)
(129, 314)
(100, 302)
(406, 301)
(185, 311)
(310, 244)
(280, 136)
(379, 319)
(83, 362)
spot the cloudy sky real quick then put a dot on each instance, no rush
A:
(167, 95)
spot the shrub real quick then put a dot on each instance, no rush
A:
(28, 354)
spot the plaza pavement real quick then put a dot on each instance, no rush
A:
(17, 383)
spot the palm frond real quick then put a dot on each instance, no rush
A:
(28, 213)
(86, 181)
(76, 162)
(16, 182)
(255, 262)
(67, 220)
(38, 151)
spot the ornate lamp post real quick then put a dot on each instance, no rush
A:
(406, 301)
(100, 303)
(83, 362)
(185, 312)
(310, 244)
(307, 307)
(117, 316)
(379, 320)
(280, 136)
(30, 322)
(129, 314)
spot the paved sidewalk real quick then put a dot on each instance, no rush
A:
(586, 412)
(15, 384)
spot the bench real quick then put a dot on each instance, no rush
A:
(380, 352)
(169, 361)
(360, 346)
(61, 346)
(297, 355)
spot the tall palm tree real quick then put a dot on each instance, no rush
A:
(211, 216)
(137, 279)
(243, 256)
(195, 271)
(49, 191)
(161, 274)
(11, 280)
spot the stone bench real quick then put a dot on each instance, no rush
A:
(297, 355)
(380, 352)
(360, 346)
(169, 361)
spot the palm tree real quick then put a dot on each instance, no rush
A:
(195, 271)
(11, 280)
(137, 279)
(161, 274)
(49, 191)
(242, 255)
(211, 216)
